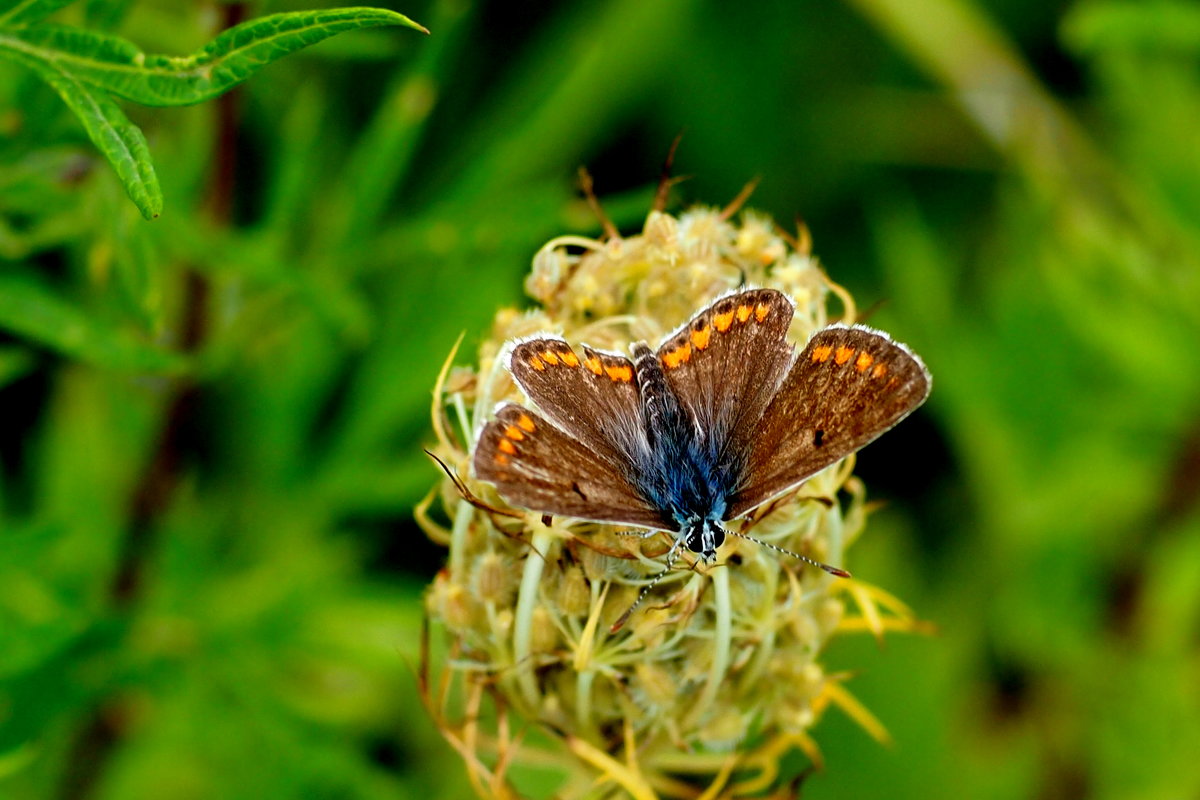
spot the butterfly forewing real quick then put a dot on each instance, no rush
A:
(727, 362)
(848, 386)
(593, 396)
(534, 465)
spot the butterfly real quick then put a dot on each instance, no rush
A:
(724, 416)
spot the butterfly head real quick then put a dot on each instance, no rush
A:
(703, 536)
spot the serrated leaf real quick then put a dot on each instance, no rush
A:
(118, 66)
(22, 12)
(35, 313)
(118, 139)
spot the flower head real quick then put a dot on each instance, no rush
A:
(718, 674)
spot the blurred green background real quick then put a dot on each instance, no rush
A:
(209, 577)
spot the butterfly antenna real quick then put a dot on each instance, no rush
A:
(671, 555)
(841, 573)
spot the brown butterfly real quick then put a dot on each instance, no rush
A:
(723, 417)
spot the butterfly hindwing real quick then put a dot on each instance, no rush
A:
(848, 386)
(726, 363)
(593, 397)
(535, 465)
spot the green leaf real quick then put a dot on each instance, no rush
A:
(17, 759)
(33, 312)
(105, 14)
(15, 363)
(121, 142)
(22, 12)
(1095, 27)
(118, 66)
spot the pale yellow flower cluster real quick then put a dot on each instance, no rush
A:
(717, 675)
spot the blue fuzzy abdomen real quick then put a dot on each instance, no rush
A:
(686, 478)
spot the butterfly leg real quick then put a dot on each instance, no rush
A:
(672, 554)
(639, 534)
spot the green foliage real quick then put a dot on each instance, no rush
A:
(85, 67)
(120, 68)
(33, 312)
(121, 142)
(20, 12)
(209, 582)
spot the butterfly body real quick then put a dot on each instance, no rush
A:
(682, 476)
(724, 416)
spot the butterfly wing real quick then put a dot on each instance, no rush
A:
(726, 364)
(848, 386)
(593, 398)
(535, 465)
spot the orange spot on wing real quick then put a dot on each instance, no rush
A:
(536, 363)
(514, 433)
(593, 365)
(761, 311)
(570, 359)
(879, 371)
(743, 313)
(500, 458)
(507, 446)
(550, 357)
(525, 423)
(821, 353)
(723, 321)
(700, 338)
(863, 361)
(622, 373)
(679, 355)
(843, 354)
